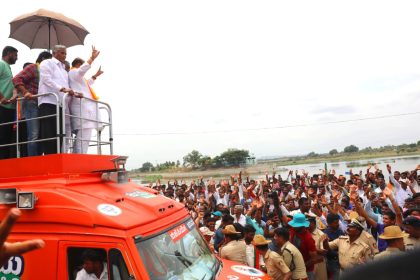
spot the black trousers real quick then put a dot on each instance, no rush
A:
(48, 128)
(6, 132)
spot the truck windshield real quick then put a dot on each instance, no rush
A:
(180, 253)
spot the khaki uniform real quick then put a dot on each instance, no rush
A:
(234, 251)
(276, 267)
(320, 269)
(294, 260)
(370, 241)
(351, 254)
(411, 243)
(389, 252)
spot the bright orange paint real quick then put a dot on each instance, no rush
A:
(70, 193)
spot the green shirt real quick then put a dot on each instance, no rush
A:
(6, 83)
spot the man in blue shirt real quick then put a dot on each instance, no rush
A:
(219, 236)
(389, 218)
(333, 232)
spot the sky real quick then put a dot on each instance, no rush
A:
(212, 75)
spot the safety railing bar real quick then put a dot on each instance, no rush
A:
(86, 119)
(101, 125)
(20, 143)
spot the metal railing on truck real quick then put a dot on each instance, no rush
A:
(63, 141)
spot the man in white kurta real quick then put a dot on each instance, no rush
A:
(53, 78)
(84, 110)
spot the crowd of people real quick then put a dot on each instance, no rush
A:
(37, 107)
(306, 226)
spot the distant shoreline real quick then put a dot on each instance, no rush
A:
(341, 158)
(263, 166)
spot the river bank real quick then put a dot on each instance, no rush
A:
(281, 166)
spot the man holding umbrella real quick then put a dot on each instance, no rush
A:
(53, 79)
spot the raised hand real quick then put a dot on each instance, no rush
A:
(354, 196)
(336, 195)
(95, 53)
(387, 192)
(371, 195)
(12, 249)
(310, 191)
(98, 73)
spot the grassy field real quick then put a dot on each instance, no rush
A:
(261, 167)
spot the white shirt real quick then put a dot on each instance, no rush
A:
(217, 224)
(52, 77)
(400, 194)
(224, 200)
(415, 186)
(89, 108)
(83, 275)
(77, 81)
(250, 256)
(241, 220)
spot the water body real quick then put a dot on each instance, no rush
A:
(404, 163)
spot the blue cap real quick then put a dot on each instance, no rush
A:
(217, 213)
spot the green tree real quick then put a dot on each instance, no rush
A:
(146, 167)
(312, 154)
(367, 150)
(333, 152)
(351, 149)
(234, 156)
(205, 162)
(218, 161)
(193, 159)
(418, 143)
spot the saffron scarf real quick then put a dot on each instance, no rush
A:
(92, 92)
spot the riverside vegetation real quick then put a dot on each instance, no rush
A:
(195, 164)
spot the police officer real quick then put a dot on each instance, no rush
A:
(394, 238)
(367, 237)
(276, 267)
(351, 249)
(291, 255)
(412, 227)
